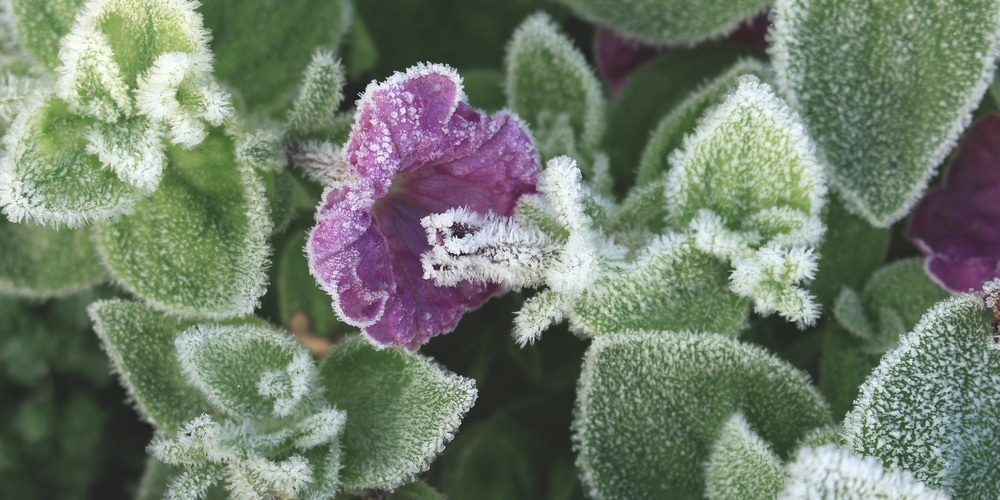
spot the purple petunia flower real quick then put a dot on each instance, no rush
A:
(417, 148)
(958, 226)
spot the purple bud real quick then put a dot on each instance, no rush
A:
(416, 148)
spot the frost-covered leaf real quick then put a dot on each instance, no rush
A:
(652, 92)
(673, 22)
(262, 47)
(317, 104)
(932, 404)
(150, 57)
(741, 465)
(40, 25)
(548, 81)
(838, 474)
(402, 408)
(49, 174)
(649, 406)
(885, 88)
(669, 133)
(198, 246)
(248, 371)
(891, 304)
(670, 286)
(41, 262)
(132, 148)
(140, 342)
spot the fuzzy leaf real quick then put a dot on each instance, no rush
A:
(198, 246)
(262, 47)
(49, 174)
(673, 22)
(40, 262)
(247, 371)
(402, 409)
(741, 465)
(885, 88)
(836, 473)
(669, 133)
(140, 342)
(652, 92)
(649, 406)
(932, 404)
(548, 78)
(40, 25)
(316, 106)
(892, 303)
(670, 286)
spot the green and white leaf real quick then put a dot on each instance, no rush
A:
(49, 174)
(150, 57)
(891, 304)
(248, 371)
(140, 342)
(132, 148)
(741, 465)
(262, 47)
(41, 23)
(549, 83)
(402, 408)
(669, 133)
(885, 88)
(748, 184)
(198, 246)
(837, 473)
(14, 92)
(40, 262)
(670, 22)
(316, 107)
(932, 406)
(649, 406)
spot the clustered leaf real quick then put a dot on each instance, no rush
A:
(741, 464)
(834, 472)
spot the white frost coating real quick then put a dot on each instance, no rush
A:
(831, 472)
(134, 152)
(322, 162)
(546, 308)
(89, 63)
(14, 90)
(990, 295)
(261, 146)
(769, 277)
(468, 246)
(158, 90)
(712, 236)
(287, 477)
(320, 428)
(562, 185)
(316, 105)
(741, 464)
(936, 57)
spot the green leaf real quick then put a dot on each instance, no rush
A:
(741, 465)
(318, 102)
(833, 472)
(932, 404)
(843, 367)
(669, 133)
(40, 25)
(670, 286)
(198, 246)
(669, 22)
(649, 405)
(247, 371)
(885, 88)
(402, 408)
(140, 342)
(48, 174)
(497, 459)
(654, 90)
(548, 79)
(40, 262)
(297, 290)
(893, 301)
(262, 47)
(851, 251)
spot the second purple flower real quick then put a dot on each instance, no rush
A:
(416, 148)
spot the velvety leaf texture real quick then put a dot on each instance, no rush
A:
(837, 473)
(40, 25)
(932, 404)
(885, 87)
(140, 342)
(675, 22)
(198, 246)
(741, 465)
(649, 406)
(402, 408)
(40, 262)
